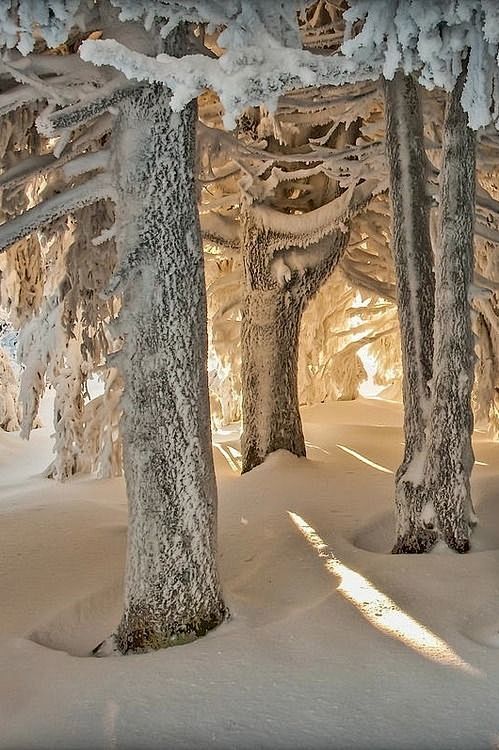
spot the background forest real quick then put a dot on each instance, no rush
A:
(226, 226)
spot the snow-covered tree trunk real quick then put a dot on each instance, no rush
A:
(270, 330)
(450, 459)
(172, 588)
(413, 262)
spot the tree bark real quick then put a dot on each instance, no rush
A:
(413, 261)
(172, 588)
(450, 458)
(270, 331)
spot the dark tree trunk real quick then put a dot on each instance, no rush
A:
(413, 261)
(270, 332)
(172, 589)
(450, 459)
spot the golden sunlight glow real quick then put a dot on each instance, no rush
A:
(378, 609)
(231, 455)
(369, 388)
(364, 460)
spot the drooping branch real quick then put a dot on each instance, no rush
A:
(303, 230)
(98, 188)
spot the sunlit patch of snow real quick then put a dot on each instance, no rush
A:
(364, 459)
(317, 448)
(379, 610)
(232, 455)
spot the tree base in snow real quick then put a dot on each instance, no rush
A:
(415, 542)
(422, 540)
(253, 458)
(139, 639)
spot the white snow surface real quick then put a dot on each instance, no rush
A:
(333, 642)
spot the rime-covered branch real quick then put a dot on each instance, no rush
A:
(220, 230)
(231, 75)
(83, 111)
(304, 229)
(98, 188)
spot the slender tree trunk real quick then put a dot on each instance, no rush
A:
(413, 261)
(172, 589)
(450, 457)
(270, 333)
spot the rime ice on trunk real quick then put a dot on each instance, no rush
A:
(413, 260)
(270, 331)
(172, 589)
(450, 457)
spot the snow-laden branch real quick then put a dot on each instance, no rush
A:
(220, 230)
(354, 346)
(59, 79)
(34, 166)
(232, 76)
(17, 97)
(93, 133)
(50, 123)
(26, 170)
(305, 229)
(44, 89)
(257, 66)
(309, 100)
(87, 163)
(98, 188)
(60, 67)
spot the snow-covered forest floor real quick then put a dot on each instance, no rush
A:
(333, 644)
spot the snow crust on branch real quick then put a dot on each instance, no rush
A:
(95, 189)
(262, 56)
(309, 228)
(255, 68)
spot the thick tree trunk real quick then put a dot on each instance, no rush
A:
(450, 457)
(413, 261)
(172, 589)
(270, 332)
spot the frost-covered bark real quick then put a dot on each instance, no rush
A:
(269, 358)
(450, 459)
(172, 589)
(274, 300)
(413, 262)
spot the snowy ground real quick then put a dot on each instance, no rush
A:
(333, 642)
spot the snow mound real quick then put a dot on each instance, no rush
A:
(378, 535)
(78, 628)
(485, 635)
